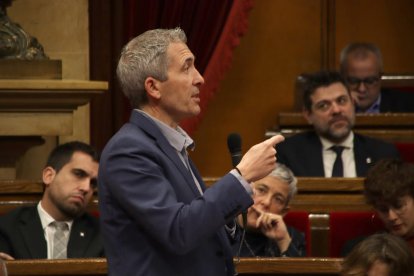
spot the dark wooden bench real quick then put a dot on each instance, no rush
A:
(317, 196)
(392, 127)
(246, 266)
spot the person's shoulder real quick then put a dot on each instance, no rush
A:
(371, 140)
(88, 218)
(350, 244)
(395, 93)
(300, 137)
(375, 145)
(18, 213)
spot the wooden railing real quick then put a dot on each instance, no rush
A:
(392, 127)
(246, 266)
(318, 196)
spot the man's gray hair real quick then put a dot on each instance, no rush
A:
(359, 50)
(145, 56)
(284, 174)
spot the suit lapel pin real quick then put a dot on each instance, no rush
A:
(82, 234)
(369, 160)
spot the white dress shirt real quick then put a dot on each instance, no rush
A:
(49, 230)
(348, 156)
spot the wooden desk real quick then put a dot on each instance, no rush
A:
(322, 195)
(316, 195)
(393, 127)
(246, 266)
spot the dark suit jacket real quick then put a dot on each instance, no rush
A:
(396, 101)
(154, 221)
(302, 153)
(22, 237)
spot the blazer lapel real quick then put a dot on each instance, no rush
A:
(30, 226)
(314, 156)
(81, 236)
(362, 158)
(151, 128)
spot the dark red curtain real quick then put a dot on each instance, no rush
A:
(213, 29)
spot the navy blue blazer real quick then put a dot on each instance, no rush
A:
(22, 237)
(396, 101)
(154, 220)
(302, 153)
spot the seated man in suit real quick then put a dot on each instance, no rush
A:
(362, 67)
(267, 235)
(332, 149)
(58, 226)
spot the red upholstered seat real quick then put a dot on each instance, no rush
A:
(406, 150)
(344, 226)
(300, 221)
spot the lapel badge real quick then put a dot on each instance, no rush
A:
(368, 160)
(82, 234)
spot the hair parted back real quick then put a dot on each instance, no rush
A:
(386, 248)
(63, 153)
(388, 180)
(145, 56)
(284, 174)
(359, 50)
(316, 80)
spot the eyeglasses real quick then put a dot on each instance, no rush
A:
(368, 82)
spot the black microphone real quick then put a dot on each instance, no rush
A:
(235, 148)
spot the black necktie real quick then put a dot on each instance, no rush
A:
(338, 168)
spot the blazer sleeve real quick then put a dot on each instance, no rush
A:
(146, 184)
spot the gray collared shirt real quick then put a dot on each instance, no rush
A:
(180, 140)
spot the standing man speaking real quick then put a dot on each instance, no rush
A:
(157, 216)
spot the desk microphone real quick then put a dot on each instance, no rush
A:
(234, 145)
(235, 148)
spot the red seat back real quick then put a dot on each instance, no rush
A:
(300, 221)
(344, 226)
(406, 150)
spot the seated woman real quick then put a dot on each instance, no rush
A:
(389, 188)
(266, 233)
(379, 255)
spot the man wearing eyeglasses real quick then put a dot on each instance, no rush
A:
(362, 67)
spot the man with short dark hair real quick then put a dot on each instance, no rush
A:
(362, 67)
(331, 149)
(58, 226)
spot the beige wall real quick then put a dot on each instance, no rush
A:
(61, 26)
(285, 39)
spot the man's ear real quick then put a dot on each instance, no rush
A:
(307, 115)
(152, 86)
(48, 175)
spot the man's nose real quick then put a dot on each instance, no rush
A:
(198, 79)
(335, 108)
(85, 185)
(361, 86)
